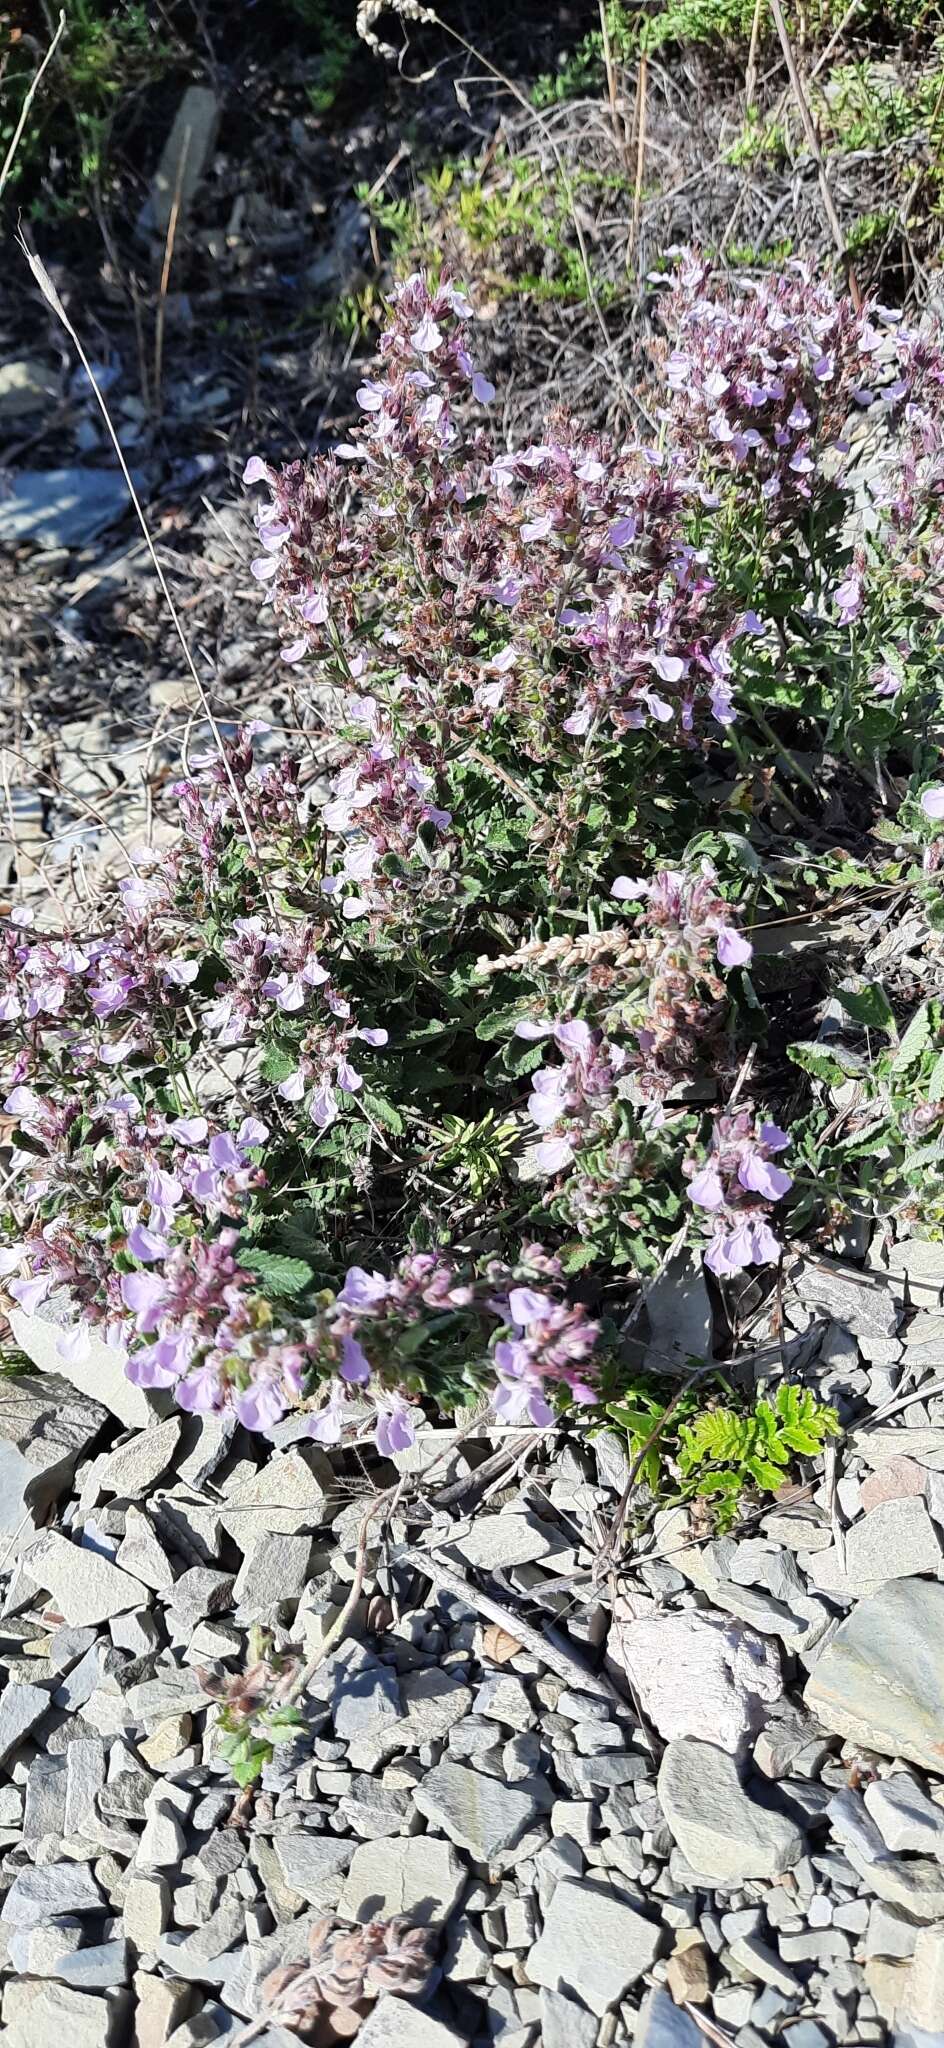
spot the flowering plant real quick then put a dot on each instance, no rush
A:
(543, 679)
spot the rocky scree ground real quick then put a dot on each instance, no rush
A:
(701, 1796)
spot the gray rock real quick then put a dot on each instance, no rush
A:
(880, 1681)
(695, 1676)
(163, 1841)
(63, 508)
(36, 1951)
(905, 1816)
(44, 1427)
(890, 1932)
(308, 1862)
(413, 1874)
(97, 1968)
(859, 1301)
(292, 1491)
(762, 1962)
(504, 1698)
(45, 1811)
(373, 1811)
(498, 1541)
(133, 1468)
(85, 1778)
(82, 1586)
(721, 1831)
(41, 1894)
(197, 1593)
(25, 387)
(917, 1885)
(678, 1318)
(184, 158)
(275, 1571)
(564, 2024)
(398, 2023)
(142, 1553)
(365, 1692)
(663, 2024)
(922, 2003)
(594, 1944)
(917, 1272)
(480, 1814)
(60, 2013)
(99, 1375)
(897, 1540)
(433, 1701)
(146, 1912)
(21, 1706)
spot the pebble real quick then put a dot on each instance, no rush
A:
(723, 1833)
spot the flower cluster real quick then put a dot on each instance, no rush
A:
(735, 1188)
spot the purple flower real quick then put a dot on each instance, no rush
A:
(201, 1393)
(363, 1290)
(355, 1366)
(251, 1134)
(733, 950)
(932, 804)
(849, 598)
(628, 891)
(396, 1426)
(764, 1179)
(191, 1130)
(260, 1405)
(527, 1305)
(328, 1425)
(519, 1394)
(774, 1138)
(146, 1296)
(29, 1293)
(706, 1190)
(427, 337)
(161, 1364)
(146, 1245)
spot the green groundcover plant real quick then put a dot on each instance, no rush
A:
(385, 1094)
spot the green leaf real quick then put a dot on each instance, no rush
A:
(815, 1060)
(280, 1276)
(869, 1006)
(936, 1082)
(496, 1022)
(382, 1111)
(574, 1257)
(277, 1064)
(915, 1039)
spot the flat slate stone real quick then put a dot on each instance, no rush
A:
(723, 1833)
(100, 1374)
(21, 1706)
(412, 1874)
(480, 1814)
(880, 1681)
(84, 1587)
(593, 1944)
(41, 1894)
